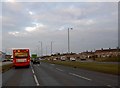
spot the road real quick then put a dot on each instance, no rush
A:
(46, 74)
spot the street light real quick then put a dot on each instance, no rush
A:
(41, 48)
(69, 39)
(51, 47)
(37, 49)
(46, 50)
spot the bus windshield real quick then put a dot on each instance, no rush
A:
(21, 54)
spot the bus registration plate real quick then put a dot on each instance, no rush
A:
(21, 60)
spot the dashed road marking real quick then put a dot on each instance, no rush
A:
(80, 76)
(53, 64)
(33, 71)
(59, 69)
(109, 85)
(36, 80)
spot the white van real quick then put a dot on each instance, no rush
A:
(72, 59)
(63, 58)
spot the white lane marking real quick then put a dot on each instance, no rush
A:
(80, 76)
(109, 85)
(59, 69)
(53, 64)
(33, 71)
(36, 80)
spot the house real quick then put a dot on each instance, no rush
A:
(107, 52)
(86, 55)
(2, 55)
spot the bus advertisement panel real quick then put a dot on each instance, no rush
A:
(21, 57)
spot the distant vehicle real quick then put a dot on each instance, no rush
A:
(4, 60)
(36, 61)
(33, 56)
(54, 59)
(21, 58)
(11, 60)
(63, 58)
(8, 60)
(72, 59)
(82, 59)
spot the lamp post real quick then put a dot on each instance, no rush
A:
(46, 50)
(37, 49)
(41, 48)
(51, 47)
(69, 39)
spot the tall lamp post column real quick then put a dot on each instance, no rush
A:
(69, 39)
(51, 47)
(41, 48)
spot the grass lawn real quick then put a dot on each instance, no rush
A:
(108, 59)
(5, 67)
(100, 67)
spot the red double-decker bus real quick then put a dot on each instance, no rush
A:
(21, 57)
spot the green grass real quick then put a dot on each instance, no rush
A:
(6, 67)
(99, 67)
(108, 59)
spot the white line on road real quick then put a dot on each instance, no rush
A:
(80, 76)
(59, 69)
(35, 77)
(33, 71)
(109, 86)
(36, 80)
(53, 64)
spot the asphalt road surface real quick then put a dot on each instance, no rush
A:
(46, 74)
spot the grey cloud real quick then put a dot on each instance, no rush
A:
(94, 25)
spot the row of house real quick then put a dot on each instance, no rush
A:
(2, 55)
(90, 54)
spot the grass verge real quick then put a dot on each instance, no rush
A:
(99, 67)
(6, 67)
(108, 59)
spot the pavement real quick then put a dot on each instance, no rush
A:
(46, 74)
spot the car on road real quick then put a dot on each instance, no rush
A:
(36, 61)
(72, 59)
(4, 60)
(63, 58)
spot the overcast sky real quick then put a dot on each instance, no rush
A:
(24, 24)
